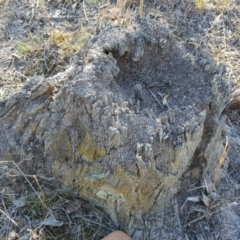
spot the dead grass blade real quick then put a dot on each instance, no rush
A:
(165, 98)
(141, 8)
(220, 163)
(8, 217)
(42, 193)
(51, 222)
(84, 10)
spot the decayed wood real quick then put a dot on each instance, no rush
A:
(86, 127)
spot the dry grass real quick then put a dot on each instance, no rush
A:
(46, 54)
(47, 51)
(218, 5)
(33, 207)
(199, 4)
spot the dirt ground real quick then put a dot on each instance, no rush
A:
(42, 38)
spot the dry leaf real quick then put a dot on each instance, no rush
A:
(51, 222)
(165, 99)
(205, 200)
(191, 199)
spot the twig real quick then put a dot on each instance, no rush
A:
(154, 97)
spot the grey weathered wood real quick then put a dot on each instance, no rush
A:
(82, 126)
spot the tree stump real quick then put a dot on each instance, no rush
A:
(122, 128)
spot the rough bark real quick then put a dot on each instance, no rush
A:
(99, 129)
